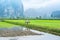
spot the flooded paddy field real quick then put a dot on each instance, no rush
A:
(16, 31)
(41, 36)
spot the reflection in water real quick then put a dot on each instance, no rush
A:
(45, 36)
(16, 31)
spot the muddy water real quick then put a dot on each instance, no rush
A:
(37, 35)
(16, 31)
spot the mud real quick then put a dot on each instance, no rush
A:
(4, 32)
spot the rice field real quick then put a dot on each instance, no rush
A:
(51, 26)
(6, 25)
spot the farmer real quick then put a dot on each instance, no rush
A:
(27, 22)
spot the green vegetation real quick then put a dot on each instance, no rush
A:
(51, 26)
(6, 25)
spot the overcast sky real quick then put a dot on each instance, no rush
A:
(38, 3)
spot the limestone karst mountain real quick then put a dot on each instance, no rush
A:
(11, 8)
(55, 14)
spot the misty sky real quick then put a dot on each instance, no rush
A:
(38, 3)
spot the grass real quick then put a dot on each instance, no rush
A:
(51, 26)
(6, 25)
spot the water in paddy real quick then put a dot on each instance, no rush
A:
(21, 33)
